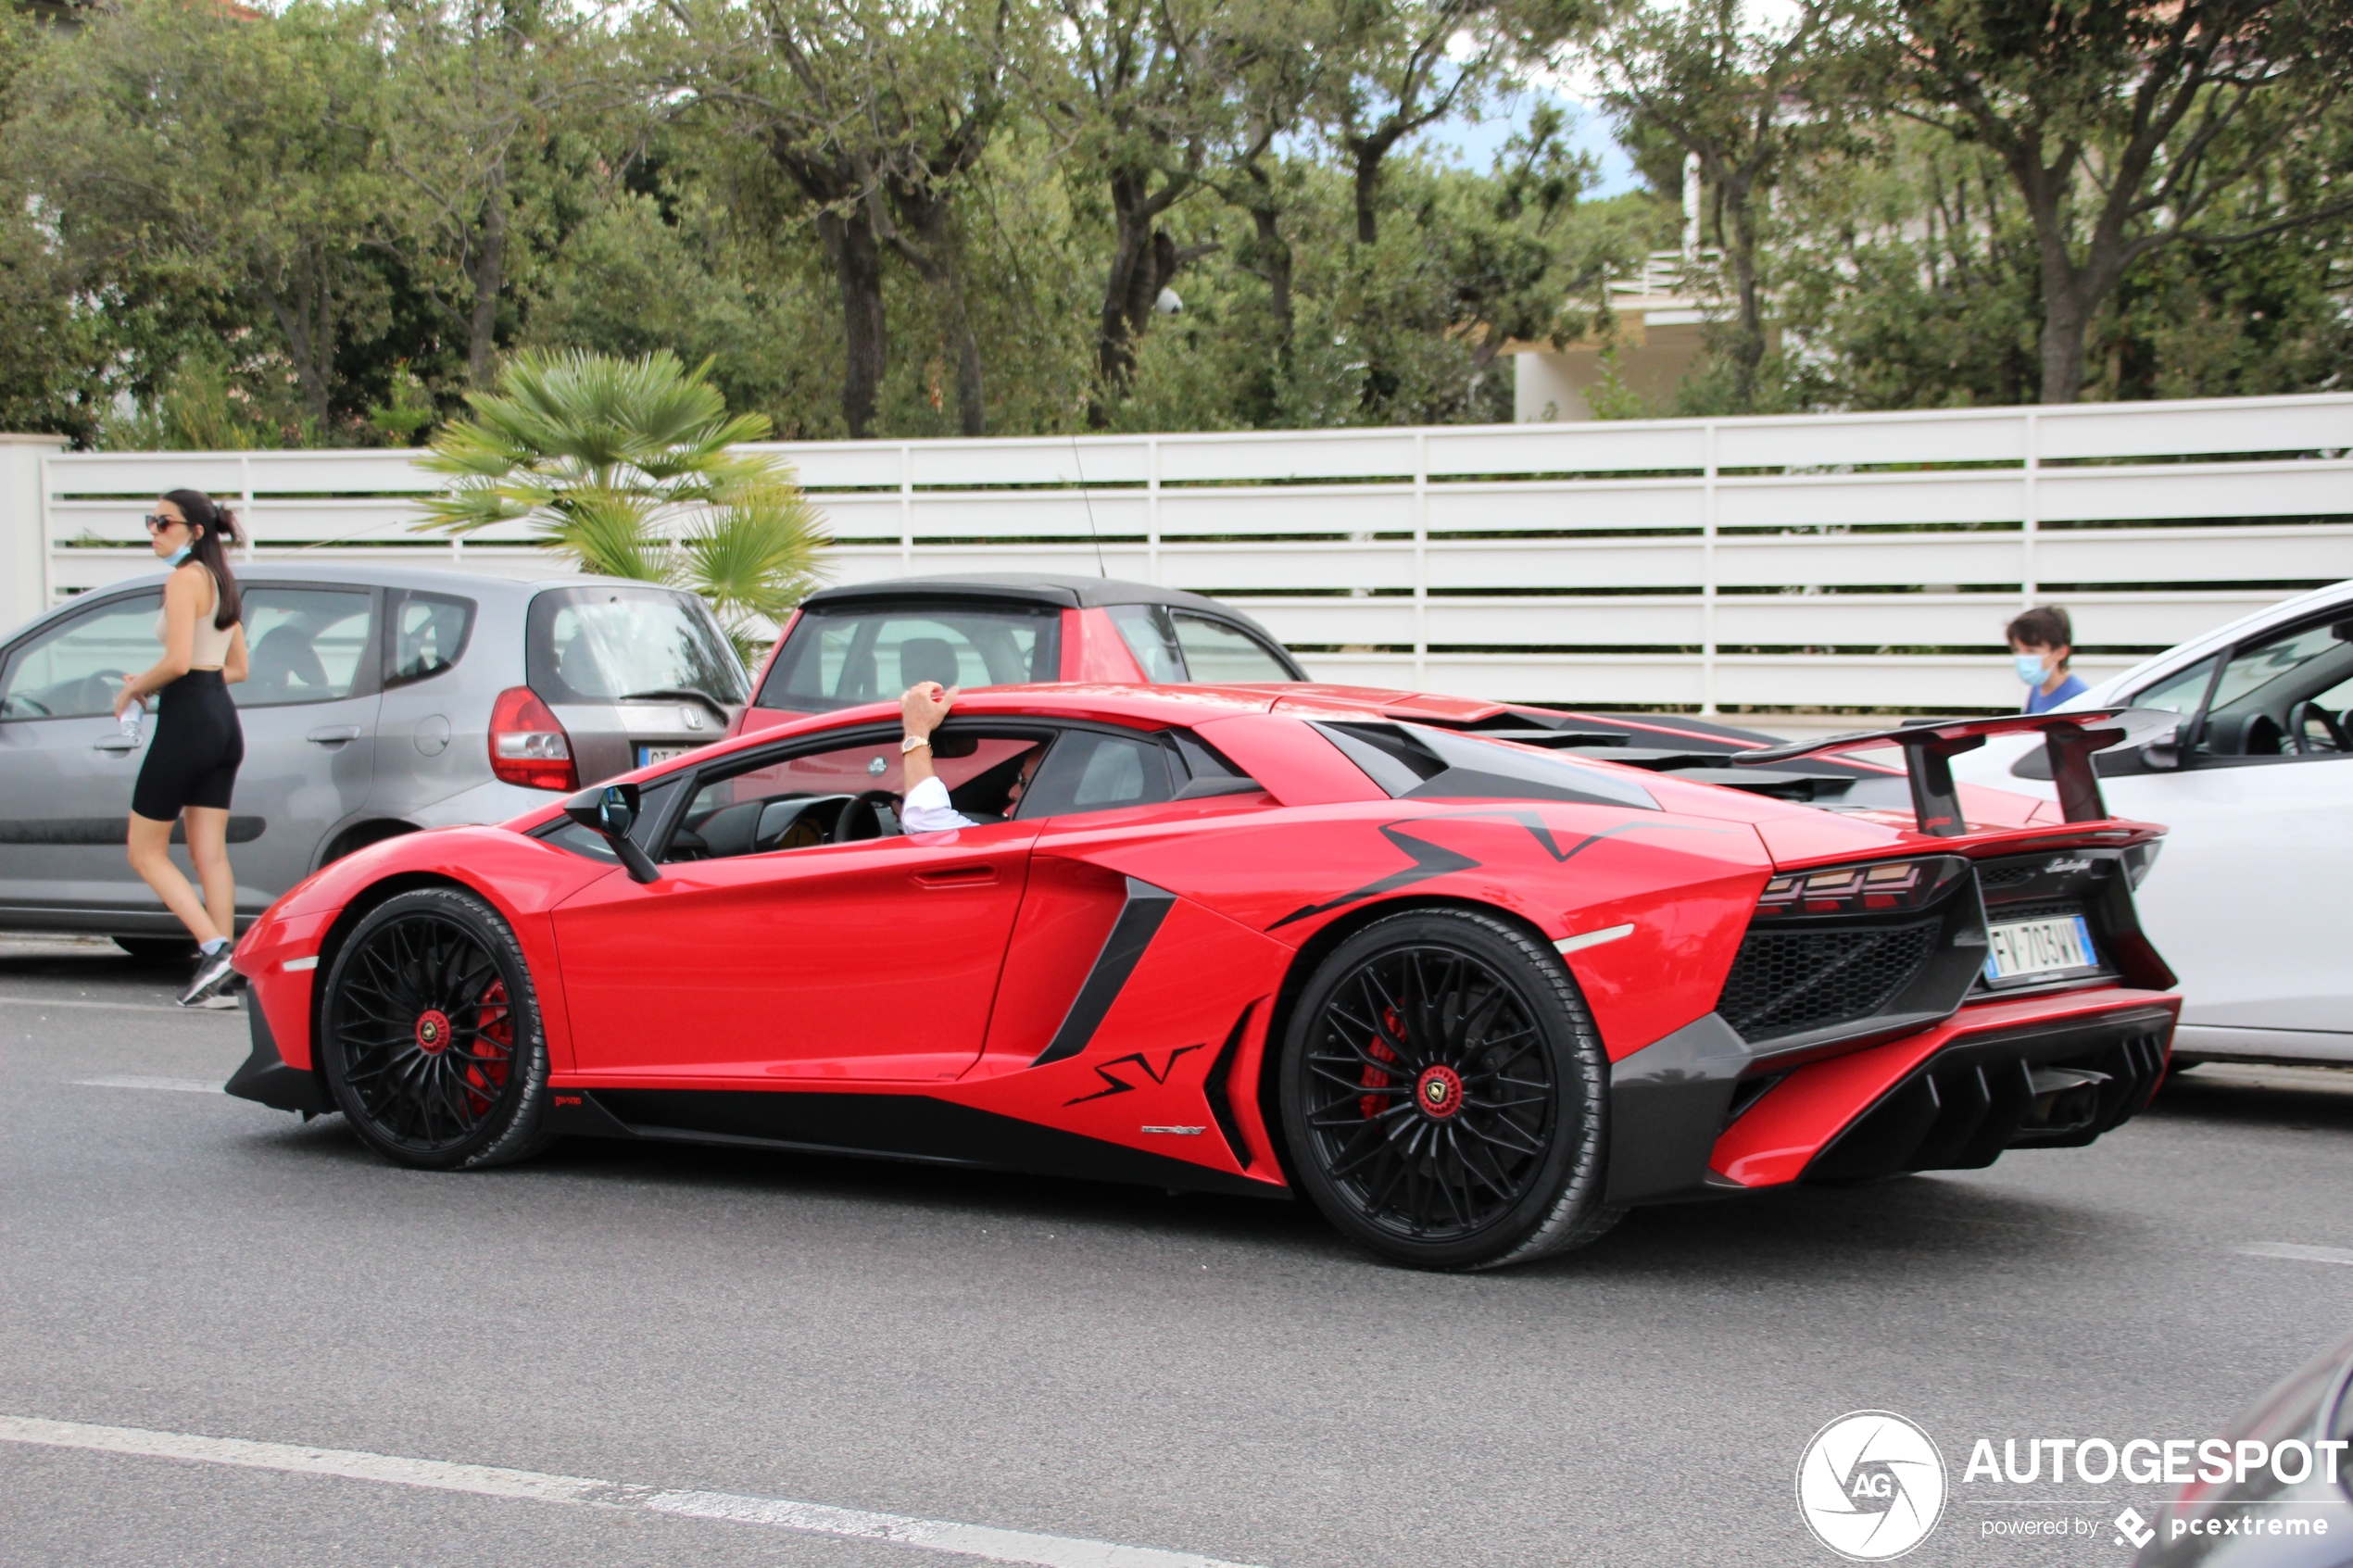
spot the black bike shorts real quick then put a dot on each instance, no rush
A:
(198, 744)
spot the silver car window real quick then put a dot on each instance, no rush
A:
(73, 671)
(429, 634)
(302, 644)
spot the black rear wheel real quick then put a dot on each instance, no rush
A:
(1443, 1093)
(429, 1038)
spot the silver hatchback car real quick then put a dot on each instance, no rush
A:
(381, 700)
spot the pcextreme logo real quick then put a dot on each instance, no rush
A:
(1871, 1485)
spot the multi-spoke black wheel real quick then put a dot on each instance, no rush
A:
(429, 1038)
(1442, 1093)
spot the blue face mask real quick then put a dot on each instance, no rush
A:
(2029, 668)
(176, 556)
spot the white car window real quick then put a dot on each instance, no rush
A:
(2257, 669)
(2178, 693)
(2271, 691)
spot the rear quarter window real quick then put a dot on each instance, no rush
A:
(428, 633)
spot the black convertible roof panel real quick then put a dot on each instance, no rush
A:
(1033, 587)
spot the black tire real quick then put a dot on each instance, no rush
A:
(1407, 1146)
(158, 949)
(429, 1038)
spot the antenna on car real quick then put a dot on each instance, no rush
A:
(1100, 571)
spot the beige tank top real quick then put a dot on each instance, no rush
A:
(210, 648)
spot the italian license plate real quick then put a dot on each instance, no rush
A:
(650, 755)
(2038, 946)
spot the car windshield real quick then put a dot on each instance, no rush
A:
(599, 644)
(838, 657)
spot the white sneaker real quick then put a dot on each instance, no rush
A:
(218, 1002)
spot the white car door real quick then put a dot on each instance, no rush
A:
(2244, 898)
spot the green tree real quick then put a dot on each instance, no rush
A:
(1734, 97)
(2124, 126)
(879, 112)
(477, 93)
(626, 466)
(234, 152)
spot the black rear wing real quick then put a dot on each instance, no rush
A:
(1930, 745)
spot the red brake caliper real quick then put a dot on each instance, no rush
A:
(1373, 1077)
(486, 1070)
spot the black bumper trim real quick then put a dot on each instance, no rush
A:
(1960, 1109)
(267, 1080)
(1667, 1104)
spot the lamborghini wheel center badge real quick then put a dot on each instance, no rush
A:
(1440, 1091)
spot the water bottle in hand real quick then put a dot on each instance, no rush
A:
(129, 720)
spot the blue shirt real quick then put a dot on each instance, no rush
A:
(2040, 701)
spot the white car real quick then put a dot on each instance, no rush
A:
(2256, 785)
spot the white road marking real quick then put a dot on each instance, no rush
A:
(133, 1081)
(2296, 1252)
(1568, 945)
(491, 1481)
(110, 1006)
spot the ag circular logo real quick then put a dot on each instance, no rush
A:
(1871, 1485)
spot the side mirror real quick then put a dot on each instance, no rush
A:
(2165, 754)
(610, 811)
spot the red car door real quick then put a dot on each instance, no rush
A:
(876, 960)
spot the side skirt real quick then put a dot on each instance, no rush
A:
(914, 1128)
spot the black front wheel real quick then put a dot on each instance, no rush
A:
(1444, 1093)
(429, 1039)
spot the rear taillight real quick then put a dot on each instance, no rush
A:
(527, 747)
(1854, 890)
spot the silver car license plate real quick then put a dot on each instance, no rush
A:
(650, 755)
(2039, 947)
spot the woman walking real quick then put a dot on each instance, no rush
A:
(192, 762)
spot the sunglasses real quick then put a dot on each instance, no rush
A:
(157, 523)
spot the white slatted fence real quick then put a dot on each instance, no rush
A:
(1834, 561)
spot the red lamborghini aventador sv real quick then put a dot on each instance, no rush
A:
(1472, 989)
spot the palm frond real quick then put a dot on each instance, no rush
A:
(608, 459)
(606, 532)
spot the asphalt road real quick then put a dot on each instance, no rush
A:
(1202, 1375)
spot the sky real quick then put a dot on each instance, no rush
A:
(1476, 145)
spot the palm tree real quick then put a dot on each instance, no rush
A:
(625, 466)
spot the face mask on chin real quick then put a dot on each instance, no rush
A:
(2029, 668)
(182, 553)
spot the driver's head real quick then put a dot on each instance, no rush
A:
(1021, 779)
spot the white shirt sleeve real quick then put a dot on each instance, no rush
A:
(926, 809)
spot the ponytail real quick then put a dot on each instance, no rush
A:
(218, 529)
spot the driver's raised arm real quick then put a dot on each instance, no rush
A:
(924, 808)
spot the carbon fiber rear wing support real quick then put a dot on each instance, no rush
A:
(1930, 745)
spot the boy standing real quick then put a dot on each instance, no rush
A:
(2042, 641)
